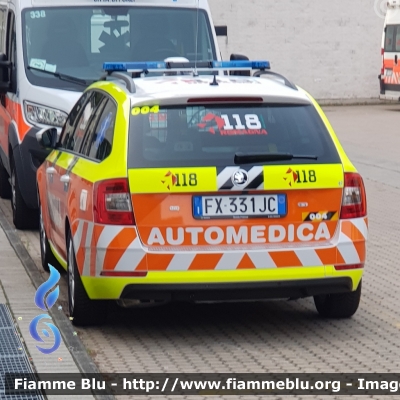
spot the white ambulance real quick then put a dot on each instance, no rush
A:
(51, 50)
(389, 77)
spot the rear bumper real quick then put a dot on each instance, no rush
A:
(391, 96)
(248, 273)
(389, 91)
(226, 285)
(238, 291)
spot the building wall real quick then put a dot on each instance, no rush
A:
(330, 48)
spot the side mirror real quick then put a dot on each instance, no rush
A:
(221, 30)
(235, 57)
(48, 137)
(5, 72)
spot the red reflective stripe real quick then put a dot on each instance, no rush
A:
(348, 267)
(135, 274)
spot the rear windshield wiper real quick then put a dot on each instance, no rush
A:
(64, 77)
(250, 158)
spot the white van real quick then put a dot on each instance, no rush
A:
(390, 71)
(51, 50)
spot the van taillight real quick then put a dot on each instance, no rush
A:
(112, 203)
(354, 203)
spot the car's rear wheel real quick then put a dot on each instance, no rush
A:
(23, 217)
(338, 305)
(5, 187)
(46, 254)
(82, 310)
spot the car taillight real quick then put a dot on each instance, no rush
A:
(354, 203)
(112, 203)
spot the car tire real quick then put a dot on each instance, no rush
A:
(23, 217)
(5, 187)
(338, 305)
(82, 310)
(46, 254)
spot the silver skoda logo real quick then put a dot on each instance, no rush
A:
(240, 178)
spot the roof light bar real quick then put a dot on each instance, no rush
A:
(161, 66)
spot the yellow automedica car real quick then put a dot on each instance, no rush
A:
(182, 181)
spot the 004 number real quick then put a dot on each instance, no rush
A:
(145, 110)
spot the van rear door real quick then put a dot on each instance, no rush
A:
(390, 77)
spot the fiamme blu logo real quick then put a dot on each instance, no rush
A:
(45, 298)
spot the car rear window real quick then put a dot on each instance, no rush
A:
(211, 135)
(392, 38)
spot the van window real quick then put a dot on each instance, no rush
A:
(212, 135)
(101, 137)
(76, 41)
(392, 38)
(3, 18)
(397, 40)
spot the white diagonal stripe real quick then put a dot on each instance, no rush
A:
(308, 258)
(226, 174)
(254, 173)
(360, 224)
(229, 261)
(86, 265)
(78, 236)
(181, 262)
(131, 258)
(347, 250)
(108, 234)
(261, 260)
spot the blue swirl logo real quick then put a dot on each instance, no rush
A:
(45, 298)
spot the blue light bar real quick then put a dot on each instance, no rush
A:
(241, 64)
(163, 66)
(126, 66)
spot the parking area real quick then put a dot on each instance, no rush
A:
(278, 336)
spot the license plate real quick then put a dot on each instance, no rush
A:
(389, 72)
(246, 206)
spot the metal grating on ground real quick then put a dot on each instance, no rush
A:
(13, 357)
(4, 318)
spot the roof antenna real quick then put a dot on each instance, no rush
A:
(195, 73)
(214, 82)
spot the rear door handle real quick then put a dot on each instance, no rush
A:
(50, 170)
(395, 59)
(65, 179)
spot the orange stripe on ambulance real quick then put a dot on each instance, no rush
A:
(214, 235)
